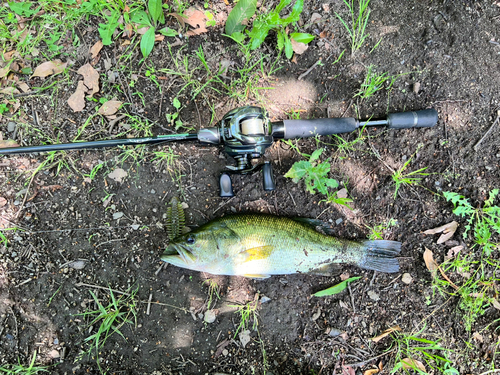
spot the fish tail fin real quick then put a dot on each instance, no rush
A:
(380, 255)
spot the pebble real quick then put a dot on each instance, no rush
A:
(11, 126)
(334, 332)
(407, 279)
(225, 352)
(209, 316)
(264, 299)
(135, 226)
(54, 354)
(56, 341)
(117, 215)
(416, 87)
(373, 295)
(339, 221)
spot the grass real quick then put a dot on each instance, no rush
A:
(109, 319)
(413, 352)
(20, 369)
(402, 178)
(377, 232)
(374, 82)
(213, 292)
(359, 21)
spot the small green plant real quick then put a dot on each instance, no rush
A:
(374, 82)
(109, 320)
(247, 312)
(23, 370)
(420, 354)
(401, 178)
(484, 221)
(266, 22)
(357, 30)
(377, 232)
(213, 291)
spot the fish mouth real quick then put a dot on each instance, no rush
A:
(178, 255)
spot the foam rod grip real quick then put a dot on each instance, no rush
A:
(320, 126)
(426, 118)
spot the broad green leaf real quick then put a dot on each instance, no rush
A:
(302, 37)
(238, 37)
(23, 8)
(176, 103)
(296, 10)
(168, 32)
(330, 182)
(298, 170)
(281, 5)
(156, 10)
(316, 154)
(258, 34)
(141, 17)
(281, 40)
(106, 32)
(148, 42)
(288, 47)
(336, 289)
(243, 10)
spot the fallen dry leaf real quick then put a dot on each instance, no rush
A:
(90, 78)
(409, 363)
(452, 253)
(9, 91)
(371, 372)
(23, 86)
(128, 31)
(386, 333)
(447, 229)
(477, 336)
(159, 38)
(77, 100)
(179, 18)
(3, 201)
(8, 143)
(344, 276)
(118, 175)
(348, 370)
(429, 260)
(4, 72)
(495, 303)
(298, 48)
(197, 19)
(49, 68)
(96, 48)
(109, 108)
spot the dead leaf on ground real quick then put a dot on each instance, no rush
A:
(386, 333)
(96, 48)
(477, 336)
(9, 91)
(8, 143)
(429, 260)
(90, 78)
(298, 47)
(447, 229)
(179, 18)
(128, 31)
(159, 38)
(197, 19)
(118, 175)
(109, 108)
(23, 86)
(371, 372)
(344, 276)
(409, 363)
(453, 252)
(77, 100)
(4, 72)
(495, 303)
(348, 370)
(49, 68)
(3, 201)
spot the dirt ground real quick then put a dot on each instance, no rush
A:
(450, 54)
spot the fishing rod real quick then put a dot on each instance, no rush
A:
(246, 133)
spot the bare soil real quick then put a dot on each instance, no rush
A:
(449, 53)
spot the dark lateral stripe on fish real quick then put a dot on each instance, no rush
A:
(380, 256)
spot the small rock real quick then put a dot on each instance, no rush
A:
(135, 226)
(184, 205)
(11, 126)
(117, 215)
(56, 341)
(264, 299)
(373, 295)
(153, 191)
(334, 332)
(54, 354)
(225, 352)
(416, 87)
(407, 279)
(209, 316)
(118, 175)
(78, 264)
(244, 337)
(339, 221)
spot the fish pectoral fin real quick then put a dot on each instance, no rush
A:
(256, 253)
(316, 224)
(257, 276)
(329, 269)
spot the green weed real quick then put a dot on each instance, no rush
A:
(109, 320)
(419, 354)
(336, 289)
(213, 291)
(247, 313)
(359, 21)
(484, 222)
(19, 369)
(377, 231)
(265, 23)
(374, 82)
(401, 178)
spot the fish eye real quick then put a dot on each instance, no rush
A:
(190, 240)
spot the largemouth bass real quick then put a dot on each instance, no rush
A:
(257, 246)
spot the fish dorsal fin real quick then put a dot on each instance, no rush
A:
(315, 224)
(256, 253)
(257, 276)
(330, 269)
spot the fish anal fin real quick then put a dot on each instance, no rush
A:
(329, 269)
(257, 276)
(257, 253)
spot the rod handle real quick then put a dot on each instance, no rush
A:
(426, 118)
(321, 126)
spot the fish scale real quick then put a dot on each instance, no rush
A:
(259, 245)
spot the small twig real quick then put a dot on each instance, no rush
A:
(309, 70)
(15, 320)
(352, 299)
(293, 200)
(476, 146)
(360, 364)
(148, 310)
(25, 196)
(159, 268)
(223, 204)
